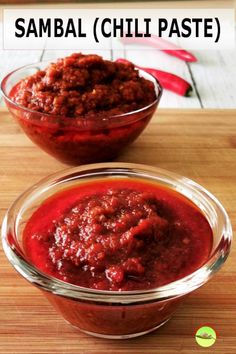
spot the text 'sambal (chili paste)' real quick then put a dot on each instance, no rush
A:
(118, 235)
(84, 85)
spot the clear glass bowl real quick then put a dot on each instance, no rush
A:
(114, 314)
(78, 141)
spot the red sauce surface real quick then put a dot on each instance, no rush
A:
(118, 235)
(84, 85)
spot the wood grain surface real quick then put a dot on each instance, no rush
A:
(198, 144)
(120, 3)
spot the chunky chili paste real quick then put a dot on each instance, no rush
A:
(84, 85)
(118, 235)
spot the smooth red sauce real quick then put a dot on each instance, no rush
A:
(118, 235)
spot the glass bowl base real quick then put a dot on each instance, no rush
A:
(120, 336)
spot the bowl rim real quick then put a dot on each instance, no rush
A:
(157, 85)
(173, 289)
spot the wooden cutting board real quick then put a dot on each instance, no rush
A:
(200, 144)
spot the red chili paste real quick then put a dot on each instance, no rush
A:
(84, 85)
(118, 235)
(72, 106)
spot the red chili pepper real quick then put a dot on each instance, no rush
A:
(161, 44)
(181, 54)
(169, 81)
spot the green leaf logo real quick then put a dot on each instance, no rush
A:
(205, 336)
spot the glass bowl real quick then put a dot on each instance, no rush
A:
(114, 314)
(78, 141)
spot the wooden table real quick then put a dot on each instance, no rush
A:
(198, 144)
